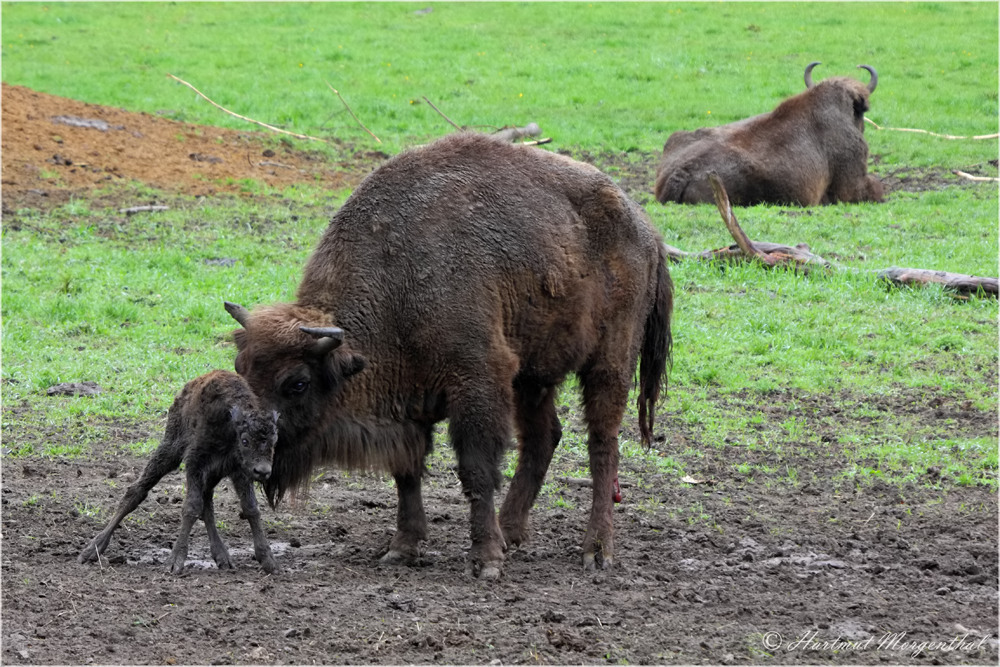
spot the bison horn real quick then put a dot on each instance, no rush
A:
(874, 80)
(330, 338)
(809, 73)
(239, 313)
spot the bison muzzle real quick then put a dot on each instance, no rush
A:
(465, 280)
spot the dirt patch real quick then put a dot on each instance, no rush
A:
(730, 569)
(55, 149)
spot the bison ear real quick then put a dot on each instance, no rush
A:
(275, 415)
(328, 339)
(352, 364)
(236, 413)
(239, 313)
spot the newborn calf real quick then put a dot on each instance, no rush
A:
(217, 429)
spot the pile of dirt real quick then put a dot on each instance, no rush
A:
(55, 149)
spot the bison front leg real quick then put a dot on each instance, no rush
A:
(539, 432)
(411, 522)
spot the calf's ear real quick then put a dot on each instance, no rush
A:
(236, 413)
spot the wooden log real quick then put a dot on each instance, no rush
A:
(959, 282)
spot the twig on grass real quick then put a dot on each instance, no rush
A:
(132, 210)
(975, 178)
(933, 134)
(249, 120)
(337, 93)
(441, 113)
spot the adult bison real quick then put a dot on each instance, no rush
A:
(810, 150)
(464, 281)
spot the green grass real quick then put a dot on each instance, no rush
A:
(621, 76)
(134, 304)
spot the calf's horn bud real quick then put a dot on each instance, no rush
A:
(874, 80)
(808, 75)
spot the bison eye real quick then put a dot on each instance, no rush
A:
(298, 387)
(245, 442)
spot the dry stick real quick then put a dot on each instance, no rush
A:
(457, 127)
(975, 178)
(249, 120)
(771, 255)
(357, 120)
(726, 209)
(933, 134)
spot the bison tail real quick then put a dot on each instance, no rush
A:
(657, 345)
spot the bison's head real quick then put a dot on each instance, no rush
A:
(855, 93)
(293, 360)
(256, 435)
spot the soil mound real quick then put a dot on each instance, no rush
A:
(56, 148)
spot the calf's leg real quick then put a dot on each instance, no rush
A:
(194, 505)
(165, 459)
(250, 511)
(220, 554)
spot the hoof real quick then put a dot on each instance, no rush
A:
(393, 557)
(488, 571)
(270, 566)
(594, 562)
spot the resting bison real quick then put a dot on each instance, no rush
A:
(464, 280)
(217, 429)
(810, 150)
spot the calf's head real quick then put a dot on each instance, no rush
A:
(256, 435)
(294, 361)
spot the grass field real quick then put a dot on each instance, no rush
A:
(137, 309)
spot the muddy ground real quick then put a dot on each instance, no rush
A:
(723, 571)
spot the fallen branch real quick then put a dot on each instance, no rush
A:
(933, 134)
(504, 133)
(249, 120)
(132, 210)
(337, 92)
(802, 259)
(975, 178)
(959, 282)
(515, 133)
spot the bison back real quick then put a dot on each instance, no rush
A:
(471, 243)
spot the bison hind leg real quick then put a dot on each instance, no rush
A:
(605, 393)
(539, 432)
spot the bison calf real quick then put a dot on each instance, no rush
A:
(217, 429)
